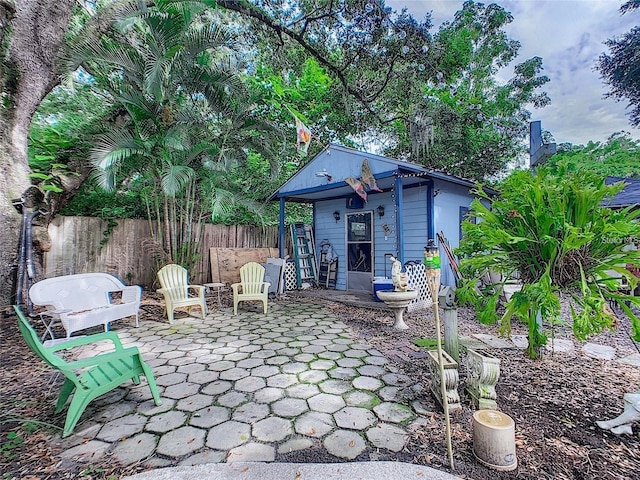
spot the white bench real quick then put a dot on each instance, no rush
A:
(87, 299)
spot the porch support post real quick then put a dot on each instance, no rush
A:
(431, 212)
(281, 229)
(314, 219)
(399, 217)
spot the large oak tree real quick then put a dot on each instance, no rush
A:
(34, 34)
(36, 30)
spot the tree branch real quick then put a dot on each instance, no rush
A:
(250, 11)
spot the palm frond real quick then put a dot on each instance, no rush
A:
(110, 150)
(112, 147)
(211, 37)
(138, 105)
(225, 202)
(188, 9)
(175, 177)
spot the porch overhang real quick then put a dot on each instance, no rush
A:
(411, 177)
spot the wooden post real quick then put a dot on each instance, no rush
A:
(432, 272)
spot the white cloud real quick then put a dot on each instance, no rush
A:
(569, 35)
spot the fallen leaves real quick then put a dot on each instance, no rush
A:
(521, 440)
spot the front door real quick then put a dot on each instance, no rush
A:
(360, 251)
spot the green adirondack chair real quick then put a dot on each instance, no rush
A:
(88, 378)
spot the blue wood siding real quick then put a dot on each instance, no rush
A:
(382, 245)
(407, 212)
(327, 228)
(447, 217)
(339, 164)
(416, 223)
(415, 227)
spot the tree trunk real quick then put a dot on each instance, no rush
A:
(31, 70)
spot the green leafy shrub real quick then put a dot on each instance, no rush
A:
(553, 232)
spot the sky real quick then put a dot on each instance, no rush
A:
(569, 36)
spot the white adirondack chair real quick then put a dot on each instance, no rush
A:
(251, 287)
(177, 291)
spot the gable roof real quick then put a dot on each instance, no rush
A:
(323, 176)
(630, 194)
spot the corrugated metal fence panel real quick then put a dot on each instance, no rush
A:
(128, 251)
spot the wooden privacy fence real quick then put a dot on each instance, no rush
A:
(127, 251)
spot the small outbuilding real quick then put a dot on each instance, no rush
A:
(369, 207)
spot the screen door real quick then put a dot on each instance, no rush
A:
(359, 251)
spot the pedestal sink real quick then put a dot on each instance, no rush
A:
(397, 301)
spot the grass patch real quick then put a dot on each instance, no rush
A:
(9, 444)
(428, 343)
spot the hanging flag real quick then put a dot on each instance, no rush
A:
(357, 187)
(368, 178)
(304, 136)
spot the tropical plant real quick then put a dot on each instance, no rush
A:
(553, 232)
(186, 121)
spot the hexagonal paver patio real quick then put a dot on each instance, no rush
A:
(249, 387)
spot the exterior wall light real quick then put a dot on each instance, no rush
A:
(336, 216)
(380, 211)
(325, 174)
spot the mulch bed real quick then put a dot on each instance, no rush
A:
(554, 401)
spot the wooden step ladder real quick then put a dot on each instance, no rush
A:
(328, 266)
(304, 253)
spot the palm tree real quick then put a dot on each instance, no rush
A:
(186, 119)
